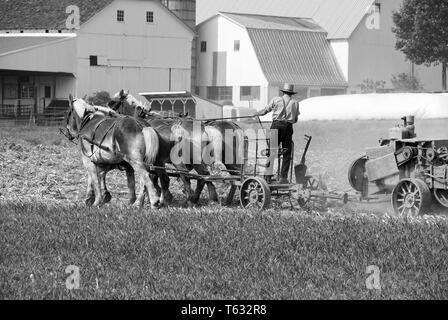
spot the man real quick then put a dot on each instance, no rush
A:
(285, 113)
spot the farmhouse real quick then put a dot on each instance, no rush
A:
(241, 45)
(51, 48)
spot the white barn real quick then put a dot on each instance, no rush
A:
(359, 32)
(245, 58)
(133, 44)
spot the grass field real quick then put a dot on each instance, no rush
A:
(209, 252)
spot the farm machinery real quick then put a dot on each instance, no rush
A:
(414, 172)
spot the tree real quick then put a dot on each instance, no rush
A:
(406, 82)
(421, 30)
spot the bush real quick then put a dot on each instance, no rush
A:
(99, 98)
(403, 82)
(371, 86)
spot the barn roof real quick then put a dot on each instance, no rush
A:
(293, 50)
(338, 17)
(51, 14)
(44, 14)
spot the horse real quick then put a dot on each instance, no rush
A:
(181, 127)
(113, 142)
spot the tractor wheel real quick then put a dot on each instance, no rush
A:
(255, 194)
(441, 196)
(356, 174)
(411, 197)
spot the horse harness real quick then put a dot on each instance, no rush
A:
(99, 142)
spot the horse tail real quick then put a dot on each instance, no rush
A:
(216, 140)
(151, 139)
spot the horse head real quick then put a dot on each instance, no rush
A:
(76, 112)
(124, 95)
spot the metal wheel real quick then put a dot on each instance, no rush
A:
(356, 173)
(441, 196)
(411, 197)
(255, 193)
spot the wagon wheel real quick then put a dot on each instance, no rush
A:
(255, 193)
(441, 196)
(411, 197)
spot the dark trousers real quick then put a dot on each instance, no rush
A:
(285, 133)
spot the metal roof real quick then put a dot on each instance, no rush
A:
(298, 57)
(338, 17)
(254, 21)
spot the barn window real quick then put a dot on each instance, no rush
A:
(203, 46)
(236, 45)
(93, 60)
(149, 16)
(249, 93)
(220, 93)
(120, 15)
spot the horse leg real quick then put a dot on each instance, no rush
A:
(187, 190)
(151, 188)
(95, 181)
(131, 185)
(165, 184)
(90, 199)
(213, 195)
(106, 197)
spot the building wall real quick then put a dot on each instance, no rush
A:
(134, 54)
(372, 54)
(234, 68)
(54, 56)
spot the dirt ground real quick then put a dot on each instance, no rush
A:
(40, 163)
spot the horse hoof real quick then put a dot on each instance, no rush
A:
(107, 197)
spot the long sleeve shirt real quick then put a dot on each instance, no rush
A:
(283, 108)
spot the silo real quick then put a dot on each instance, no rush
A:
(186, 11)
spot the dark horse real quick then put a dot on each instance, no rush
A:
(177, 131)
(214, 133)
(108, 143)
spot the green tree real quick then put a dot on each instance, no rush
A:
(406, 82)
(421, 29)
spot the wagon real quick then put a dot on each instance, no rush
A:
(256, 191)
(413, 172)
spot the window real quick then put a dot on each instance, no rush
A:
(149, 16)
(10, 91)
(203, 46)
(249, 93)
(47, 92)
(120, 15)
(93, 60)
(315, 92)
(27, 91)
(333, 92)
(236, 45)
(220, 93)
